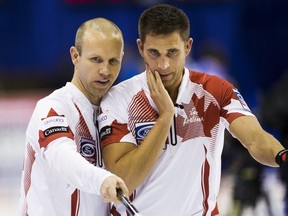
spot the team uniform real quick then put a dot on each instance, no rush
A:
(61, 137)
(185, 180)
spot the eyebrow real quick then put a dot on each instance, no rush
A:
(152, 49)
(171, 49)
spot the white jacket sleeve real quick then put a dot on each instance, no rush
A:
(62, 157)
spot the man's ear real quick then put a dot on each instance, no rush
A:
(74, 54)
(188, 46)
(140, 46)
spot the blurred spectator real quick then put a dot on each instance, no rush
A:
(247, 174)
(211, 57)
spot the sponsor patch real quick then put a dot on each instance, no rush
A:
(241, 99)
(88, 150)
(142, 129)
(102, 118)
(53, 130)
(105, 131)
(54, 122)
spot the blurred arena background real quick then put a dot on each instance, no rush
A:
(242, 40)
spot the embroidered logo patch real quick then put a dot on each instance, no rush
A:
(142, 129)
(54, 124)
(88, 150)
(53, 130)
(105, 131)
(241, 99)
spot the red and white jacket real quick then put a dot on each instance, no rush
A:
(61, 174)
(185, 181)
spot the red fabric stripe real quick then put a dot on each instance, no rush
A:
(44, 141)
(139, 107)
(205, 184)
(215, 210)
(118, 131)
(75, 203)
(114, 212)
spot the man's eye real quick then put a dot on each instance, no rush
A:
(97, 59)
(172, 53)
(154, 53)
(113, 61)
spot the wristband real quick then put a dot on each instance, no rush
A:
(282, 158)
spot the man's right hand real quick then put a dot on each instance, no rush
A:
(109, 187)
(159, 94)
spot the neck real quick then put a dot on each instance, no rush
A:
(173, 92)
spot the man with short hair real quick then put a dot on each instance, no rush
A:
(63, 170)
(162, 131)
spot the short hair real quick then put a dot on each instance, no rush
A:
(163, 19)
(100, 24)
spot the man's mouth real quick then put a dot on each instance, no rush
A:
(165, 76)
(103, 81)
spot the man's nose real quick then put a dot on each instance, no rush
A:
(163, 63)
(104, 69)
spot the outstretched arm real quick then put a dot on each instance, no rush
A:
(62, 157)
(261, 145)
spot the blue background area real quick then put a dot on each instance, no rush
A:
(36, 37)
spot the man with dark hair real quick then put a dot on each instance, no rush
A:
(162, 131)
